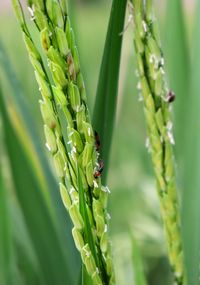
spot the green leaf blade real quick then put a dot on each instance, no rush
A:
(106, 96)
(191, 181)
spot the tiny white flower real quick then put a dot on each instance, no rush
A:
(95, 184)
(139, 87)
(87, 253)
(106, 228)
(74, 149)
(148, 145)
(108, 216)
(65, 166)
(47, 146)
(162, 70)
(145, 26)
(171, 137)
(140, 97)
(169, 125)
(71, 190)
(31, 11)
(162, 61)
(107, 189)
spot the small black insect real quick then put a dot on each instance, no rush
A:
(171, 97)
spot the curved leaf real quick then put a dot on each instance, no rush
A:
(45, 238)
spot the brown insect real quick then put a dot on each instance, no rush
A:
(97, 141)
(171, 97)
(99, 170)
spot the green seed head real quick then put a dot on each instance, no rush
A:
(59, 164)
(45, 40)
(96, 278)
(37, 65)
(74, 97)
(58, 75)
(100, 224)
(43, 85)
(78, 238)
(48, 114)
(40, 18)
(104, 242)
(75, 137)
(87, 154)
(88, 132)
(80, 118)
(65, 196)
(60, 98)
(50, 139)
(57, 16)
(62, 41)
(31, 47)
(76, 217)
(90, 174)
(88, 259)
(54, 56)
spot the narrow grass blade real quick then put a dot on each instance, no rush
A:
(191, 182)
(26, 261)
(86, 280)
(139, 275)
(47, 181)
(41, 228)
(106, 97)
(6, 243)
(177, 57)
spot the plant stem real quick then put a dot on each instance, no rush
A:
(157, 102)
(69, 133)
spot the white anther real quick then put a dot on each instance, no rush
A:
(108, 216)
(139, 87)
(140, 97)
(169, 125)
(152, 58)
(162, 71)
(171, 137)
(145, 26)
(106, 228)
(148, 145)
(74, 149)
(47, 146)
(71, 190)
(31, 11)
(95, 184)
(162, 61)
(87, 253)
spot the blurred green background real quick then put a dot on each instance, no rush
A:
(133, 204)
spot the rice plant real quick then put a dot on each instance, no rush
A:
(60, 223)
